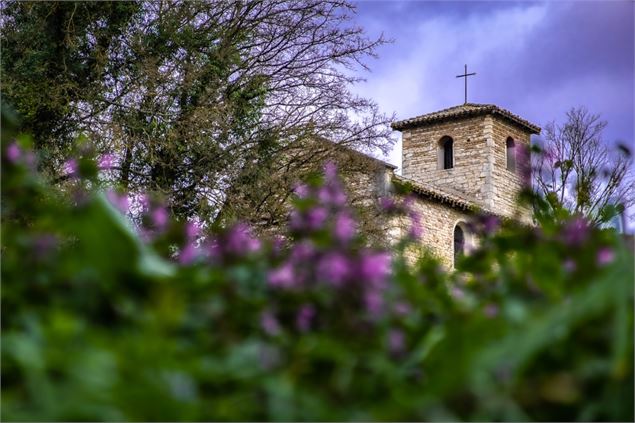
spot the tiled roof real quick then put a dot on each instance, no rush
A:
(465, 110)
(351, 150)
(368, 156)
(453, 199)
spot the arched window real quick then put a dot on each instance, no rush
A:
(446, 153)
(511, 154)
(459, 243)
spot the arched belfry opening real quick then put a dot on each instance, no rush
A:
(510, 147)
(446, 153)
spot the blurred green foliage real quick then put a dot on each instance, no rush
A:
(98, 325)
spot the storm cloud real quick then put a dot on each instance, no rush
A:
(536, 59)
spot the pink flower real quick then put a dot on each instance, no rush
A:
(269, 323)
(282, 277)
(240, 241)
(491, 310)
(605, 255)
(277, 245)
(330, 171)
(191, 230)
(374, 267)
(387, 204)
(144, 201)
(457, 293)
(188, 254)
(396, 341)
(374, 302)
(316, 217)
(305, 317)
(106, 162)
(160, 217)
(575, 232)
(334, 268)
(569, 265)
(301, 190)
(43, 244)
(331, 195)
(13, 152)
(295, 220)
(29, 159)
(344, 227)
(71, 167)
(302, 252)
(121, 202)
(490, 224)
(312, 220)
(401, 309)
(416, 229)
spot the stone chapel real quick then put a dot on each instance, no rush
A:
(458, 160)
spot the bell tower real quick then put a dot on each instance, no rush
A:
(476, 151)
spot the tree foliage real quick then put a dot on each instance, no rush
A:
(194, 100)
(579, 170)
(55, 57)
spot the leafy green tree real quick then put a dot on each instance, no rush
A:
(193, 100)
(55, 61)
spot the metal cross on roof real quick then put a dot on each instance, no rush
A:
(465, 75)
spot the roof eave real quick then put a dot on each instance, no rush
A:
(422, 122)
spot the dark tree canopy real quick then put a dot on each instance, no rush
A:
(194, 100)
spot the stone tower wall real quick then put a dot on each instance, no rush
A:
(480, 160)
(421, 156)
(506, 184)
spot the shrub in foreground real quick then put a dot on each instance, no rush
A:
(103, 320)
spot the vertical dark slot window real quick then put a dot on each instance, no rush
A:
(511, 154)
(459, 243)
(448, 155)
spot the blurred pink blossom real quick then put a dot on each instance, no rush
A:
(374, 267)
(120, 201)
(416, 228)
(396, 341)
(344, 229)
(387, 204)
(160, 217)
(330, 171)
(575, 232)
(192, 230)
(491, 310)
(71, 167)
(302, 251)
(569, 265)
(106, 162)
(316, 217)
(334, 268)
(269, 323)
(605, 255)
(301, 190)
(188, 253)
(374, 301)
(305, 317)
(282, 277)
(402, 308)
(13, 152)
(240, 241)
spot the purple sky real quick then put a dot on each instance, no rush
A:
(535, 59)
